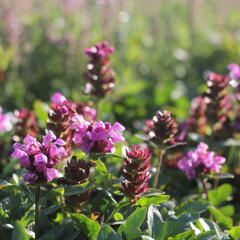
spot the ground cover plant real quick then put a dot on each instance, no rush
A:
(67, 172)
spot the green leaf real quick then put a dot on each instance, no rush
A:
(19, 232)
(5, 184)
(86, 226)
(235, 232)
(192, 207)
(154, 220)
(41, 112)
(107, 233)
(155, 199)
(173, 226)
(76, 189)
(220, 217)
(131, 228)
(54, 233)
(220, 176)
(209, 235)
(220, 195)
(100, 166)
(181, 236)
(227, 210)
(118, 216)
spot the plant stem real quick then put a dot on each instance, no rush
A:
(37, 208)
(155, 181)
(205, 188)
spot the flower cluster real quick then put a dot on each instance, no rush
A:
(200, 161)
(135, 172)
(26, 124)
(162, 128)
(40, 158)
(96, 137)
(5, 121)
(61, 114)
(78, 171)
(100, 74)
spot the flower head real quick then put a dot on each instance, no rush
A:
(162, 128)
(96, 137)
(200, 161)
(40, 158)
(135, 172)
(99, 76)
(64, 113)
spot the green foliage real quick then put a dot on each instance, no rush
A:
(235, 232)
(221, 194)
(86, 226)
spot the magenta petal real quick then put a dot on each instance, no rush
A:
(58, 98)
(50, 173)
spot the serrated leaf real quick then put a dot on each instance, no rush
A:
(220, 194)
(155, 199)
(88, 227)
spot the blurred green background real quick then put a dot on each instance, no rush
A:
(162, 49)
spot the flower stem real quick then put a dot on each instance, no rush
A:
(205, 188)
(155, 181)
(37, 208)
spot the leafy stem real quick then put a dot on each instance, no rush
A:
(37, 208)
(155, 181)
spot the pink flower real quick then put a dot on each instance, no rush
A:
(234, 70)
(40, 158)
(5, 121)
(58, 98)
(200, 161)
(98, 137)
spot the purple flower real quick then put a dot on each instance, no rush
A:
(87, 142)
(30, 177)
(58, 98)
(200, 161)
(98, 137)
(99, 131)
(40, 158)
(50, 173)
(234, 70)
